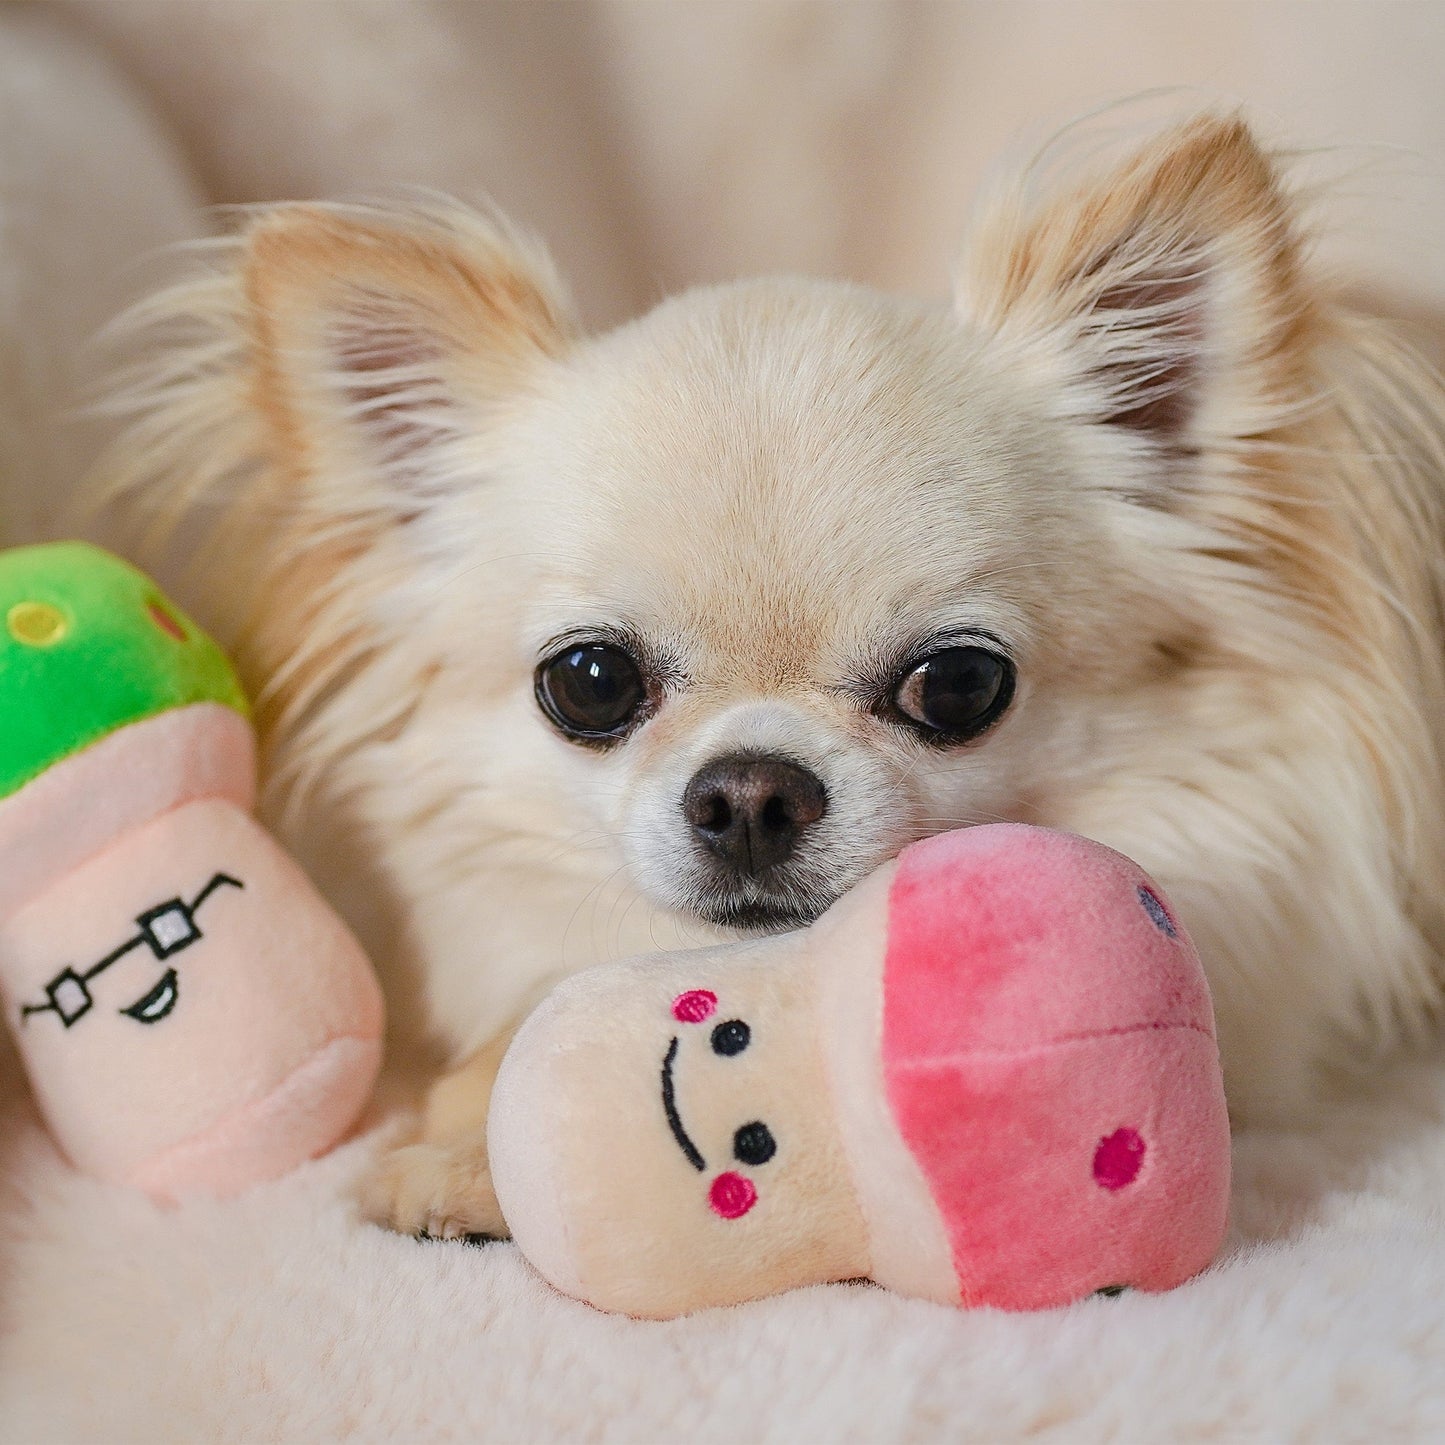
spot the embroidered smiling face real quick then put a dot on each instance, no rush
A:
(160, 933)
(987, 1077)
(676, 1110)
(88, 649)
(730, 1195)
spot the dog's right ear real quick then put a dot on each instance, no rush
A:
(382, 342)
(299, 405)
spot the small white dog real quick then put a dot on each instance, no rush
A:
(621, 642)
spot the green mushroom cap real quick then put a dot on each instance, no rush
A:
(89, 645)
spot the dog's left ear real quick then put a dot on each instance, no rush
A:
(1165, 295)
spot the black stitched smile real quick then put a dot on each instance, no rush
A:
(674, 1119)
(167, 929)
(158, 1002)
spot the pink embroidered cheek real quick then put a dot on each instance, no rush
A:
(731, 1196)
(694, 1006)
(1118, 1159)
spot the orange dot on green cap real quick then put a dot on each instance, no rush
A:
(165, 620)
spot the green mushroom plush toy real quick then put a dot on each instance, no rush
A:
(192, 1015)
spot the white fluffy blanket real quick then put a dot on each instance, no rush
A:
(280, 1317)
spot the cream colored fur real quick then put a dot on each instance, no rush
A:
(1147, 448)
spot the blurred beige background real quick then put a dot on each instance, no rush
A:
(653, 143)
(660, 142)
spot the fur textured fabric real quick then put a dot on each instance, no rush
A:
(278, 1316)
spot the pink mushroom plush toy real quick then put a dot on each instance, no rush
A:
(987, 1076)
(192, 1015)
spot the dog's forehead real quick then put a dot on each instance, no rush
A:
(784, 458)
(766, 388)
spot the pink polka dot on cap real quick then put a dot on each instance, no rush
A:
(1119, 1158)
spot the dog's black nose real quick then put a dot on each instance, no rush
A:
(750, 810)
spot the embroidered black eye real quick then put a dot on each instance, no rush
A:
(956, 693)
(592, 692)
(754, 1144)
(731, 1038)
(1158, 914)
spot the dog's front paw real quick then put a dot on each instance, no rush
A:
(436, 1191)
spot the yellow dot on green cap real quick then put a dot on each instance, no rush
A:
(36, 624)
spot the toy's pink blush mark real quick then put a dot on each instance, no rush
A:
(165, 621)
(694, 1006)
(731, 1196)
(1119, 1158)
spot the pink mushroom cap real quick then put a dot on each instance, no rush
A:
(1049, 1058)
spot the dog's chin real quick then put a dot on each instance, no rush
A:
(753, 914)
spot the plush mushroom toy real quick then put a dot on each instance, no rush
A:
(192, 1015)
(987, 1076)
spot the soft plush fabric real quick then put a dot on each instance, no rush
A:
(191, 1013)
(278, 1316)
(1049, 1053)
(594, 1175)
(87, 645)
(666, 1134)
(70, 813)
(237, 1035)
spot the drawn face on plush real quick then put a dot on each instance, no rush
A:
(190, 1013)
(162, 932)
(986, 1076)
(730, 1195)
(718, 1158)
(737, 1090)
(89, 647)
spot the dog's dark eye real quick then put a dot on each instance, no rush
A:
(591, 692)
(957, 693)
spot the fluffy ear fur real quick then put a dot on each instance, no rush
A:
(323, 380)
(317, 370)
(1287, 456)
(1165, 293)
(376, 344)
